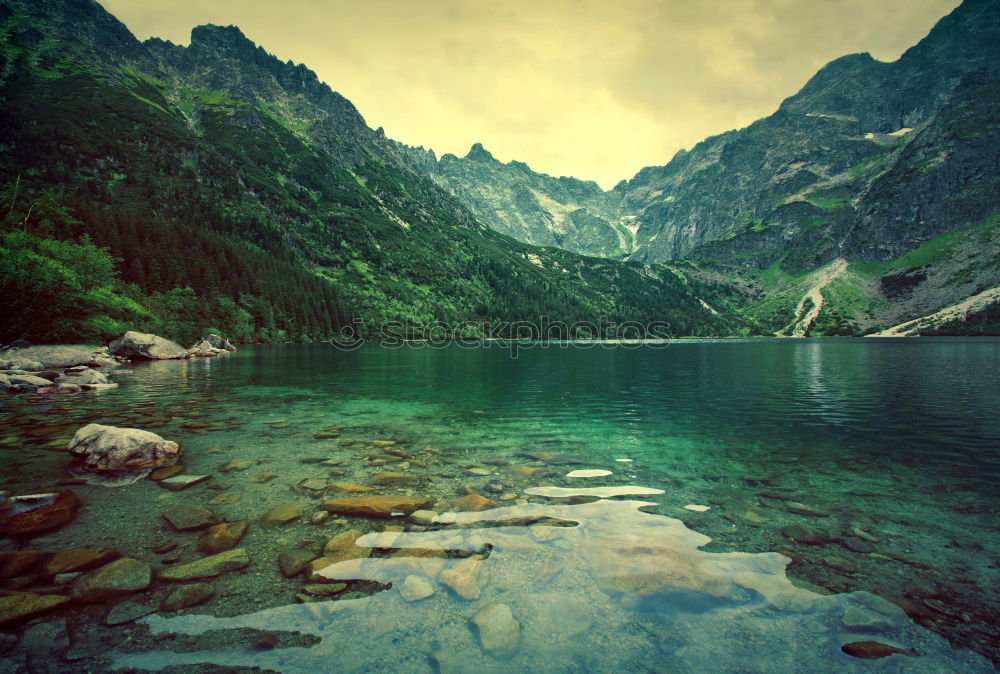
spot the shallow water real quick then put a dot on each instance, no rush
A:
(890, 446)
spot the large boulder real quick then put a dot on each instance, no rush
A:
(12, 381)
(110, 448)
(146, 346)
(54, 355)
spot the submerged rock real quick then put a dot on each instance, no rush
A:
(351, 488)
(112, 580)
(344, 546)
(285, 513)
(499, 632)
(167, 471)
(423, 517)
(221, 537)
(80, 559)
(36, 513)
(126, 612)
(375, 506)
(187, 596)
(870, 650)
(415, 588)
(394, 479)
(181, 482)
(292, 562)
(208, 567)
(188, 516)
(474, 503)
(801, 534)
(110, 448)
(19, 606)
(466, 578)
(146, 346)
(13, 564)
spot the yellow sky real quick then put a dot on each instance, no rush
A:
(595, 89)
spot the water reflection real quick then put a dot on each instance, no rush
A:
(618, 590)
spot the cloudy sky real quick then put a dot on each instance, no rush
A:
(596, 89)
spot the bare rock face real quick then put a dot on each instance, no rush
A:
(146, 346)
(110, 448)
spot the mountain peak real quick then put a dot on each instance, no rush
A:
(225, 41)
(479, 153)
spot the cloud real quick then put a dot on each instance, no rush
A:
(588, 88)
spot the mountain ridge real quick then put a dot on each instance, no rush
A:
(256, 159)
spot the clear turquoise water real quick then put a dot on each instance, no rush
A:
(897, 439)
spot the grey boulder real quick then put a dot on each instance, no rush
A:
(110, 448)
(146, 346)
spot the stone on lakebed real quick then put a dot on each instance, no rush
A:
(110, 448)
(35, 513)
(375, 506)
(120, 577)
(207, 567)
(23, 605)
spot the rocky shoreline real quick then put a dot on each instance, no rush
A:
(36, 368)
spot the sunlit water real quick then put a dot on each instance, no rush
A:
(895, 441)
